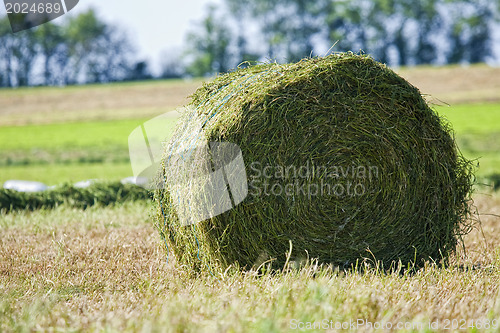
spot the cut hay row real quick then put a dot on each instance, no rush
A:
(103, 194)
(343, 160)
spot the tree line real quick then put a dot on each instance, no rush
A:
(85, 49)
(397, 32)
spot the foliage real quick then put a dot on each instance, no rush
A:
(140, 71)
(210, 48)
(53, 50)
(83, 49)
(99, 51)
(16, 56)
(397, 32)
(101, 194)
(495, 181)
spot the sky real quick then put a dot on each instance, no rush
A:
(154, 27)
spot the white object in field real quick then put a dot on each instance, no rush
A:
(24, 186)
(84, 183)
(139, 181)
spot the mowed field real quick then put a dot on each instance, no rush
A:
(58, 135)
(105, 268)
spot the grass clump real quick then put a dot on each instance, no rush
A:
(344, 160)
(99, 193)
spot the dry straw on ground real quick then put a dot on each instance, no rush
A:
(353, 123)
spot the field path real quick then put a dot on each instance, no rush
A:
(455, 84)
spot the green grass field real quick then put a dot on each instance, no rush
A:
(62, 152)
(477, 131)
(58, 153)
(68, 136)
(472, 118)
(54, 174)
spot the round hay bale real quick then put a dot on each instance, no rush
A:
(343, 160)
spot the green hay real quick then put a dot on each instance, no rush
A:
(341, 111)
(100, 193)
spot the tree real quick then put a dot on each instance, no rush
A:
(18, 52)
(6, 45)
(24, 53)
(83, 49)
(287, 27)
(98, 52)
(470, 34)
(140, 71)
(405, 32)
(239, 8)
(210, 46)
(301, 31)
(398, 32)
(346, 24)
(51, 44)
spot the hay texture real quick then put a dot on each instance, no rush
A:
(344, 160)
